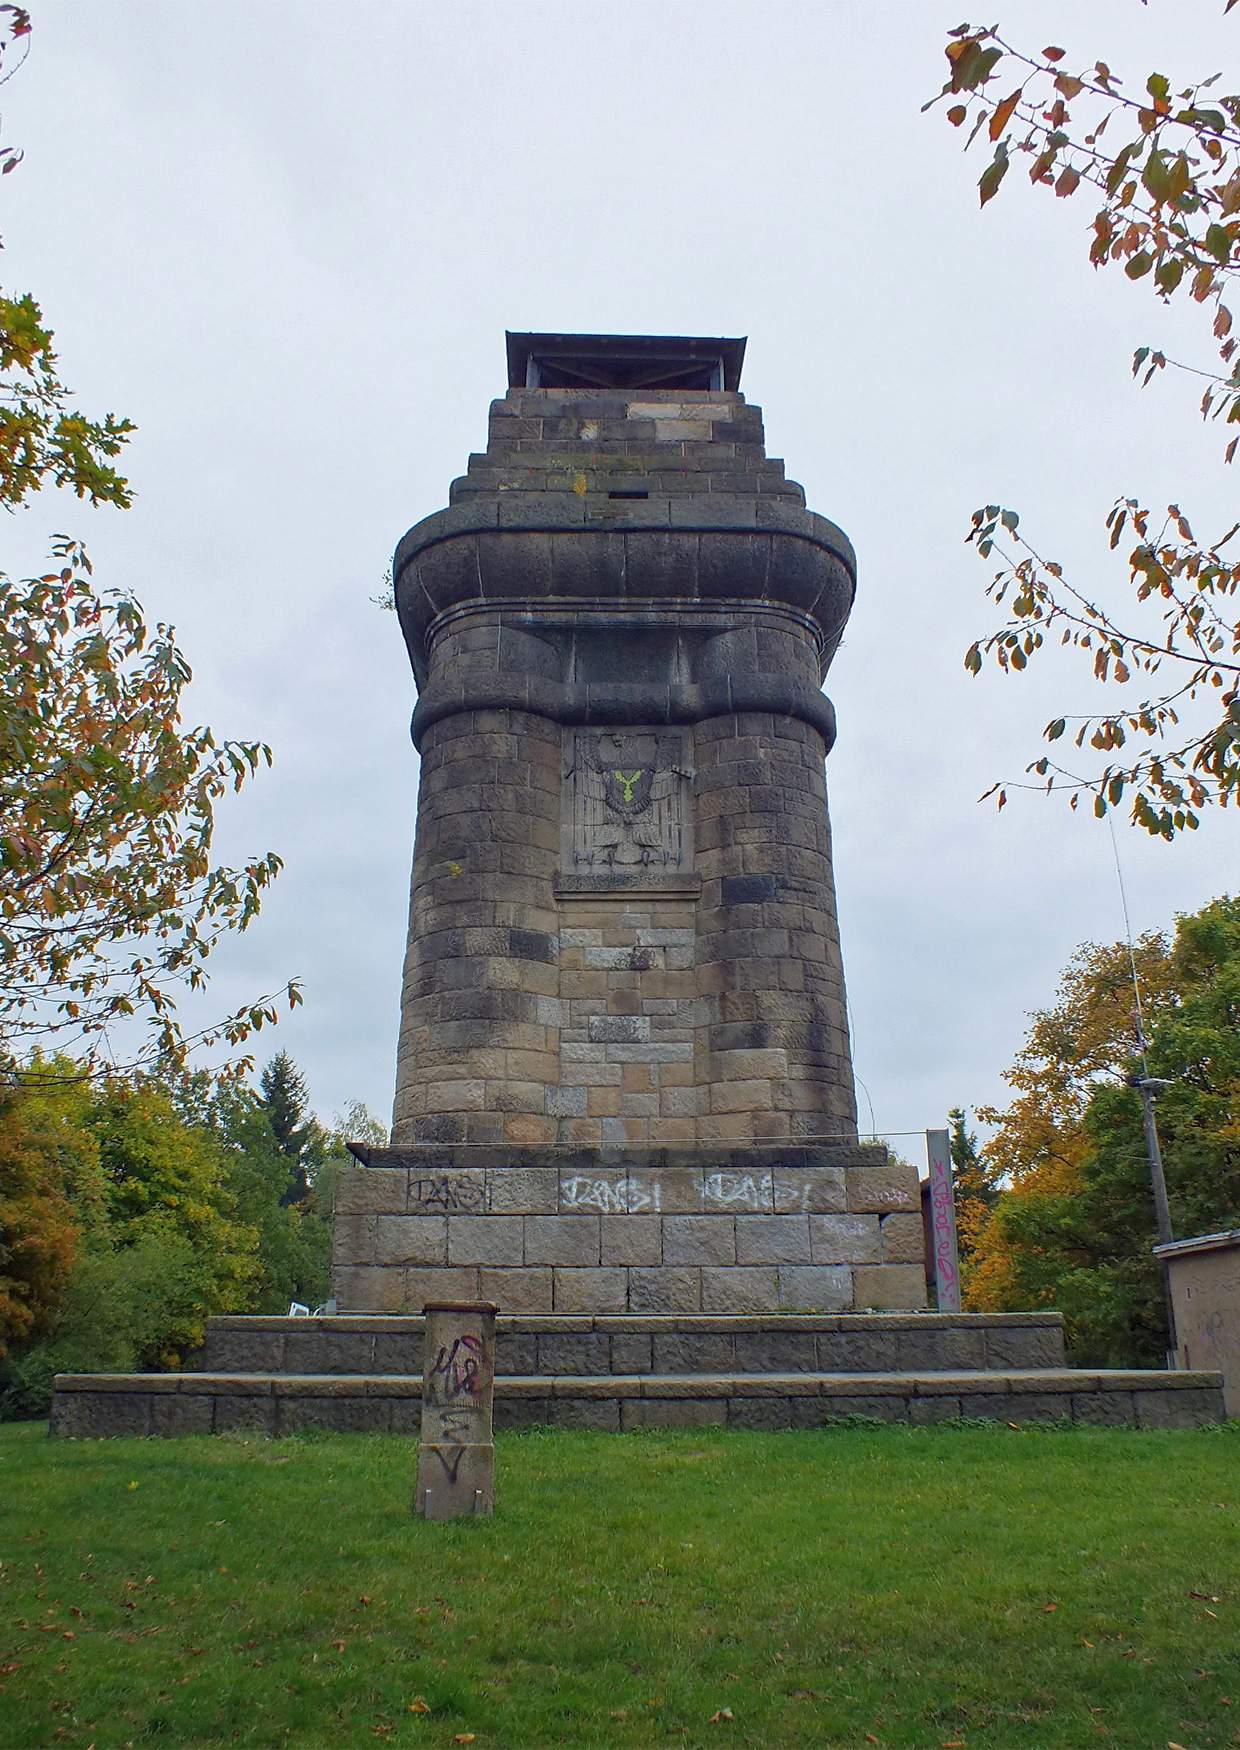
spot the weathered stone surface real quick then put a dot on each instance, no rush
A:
(772, 1239)
(740, 1290)
(377, 1190)
(562, 1239)
(486, 1239)
(815, 1287)
(523, 1190)
(411, 1239)
(814, 1191)
(517, 1290)
(903, 1240)
(884, 1190)
(590, 1290)
(632, 1239)
(665, 1290)
(889, 1285)
(845, 1239)
(699, 1239)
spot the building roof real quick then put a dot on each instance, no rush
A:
(624, 361)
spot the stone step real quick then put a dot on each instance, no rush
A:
(556, 1345)
(93, 1405)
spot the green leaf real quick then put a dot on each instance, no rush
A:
(993, 175)
(1055, 730)
(1138, 264)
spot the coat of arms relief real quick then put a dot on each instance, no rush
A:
(629, 801)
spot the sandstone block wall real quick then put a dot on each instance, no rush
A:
(804, 1230)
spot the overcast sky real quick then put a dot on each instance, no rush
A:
(286, 240)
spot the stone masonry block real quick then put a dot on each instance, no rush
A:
(363, 1288)
(516, 1290)
(424, 1285)
(816, 1190)
(566, 1102)
(845, 1239)
(450, 1191)
(618, 1029)
(631, 1352)
(366, 1190)
(485, 1239)
(680, 1190)
(889, 1287)
(353, 1239)
(665, 1290)
(739, 1290)
(815, 1287)
(411, 1239)
(1025, 1346)
(591, 1291)
(632, 1239)
(731, 1191)
(883, 1190)
(584, 1192)
(562, 1239)
(772, 1239)
(903, 1239)
(522, 1190)
(699, 1239)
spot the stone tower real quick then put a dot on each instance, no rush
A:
(623, 1074)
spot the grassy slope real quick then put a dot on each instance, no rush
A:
(823, 1585)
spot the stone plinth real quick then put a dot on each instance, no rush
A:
(456, 1453)
(638, 1230)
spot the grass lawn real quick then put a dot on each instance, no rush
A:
(900, 1586)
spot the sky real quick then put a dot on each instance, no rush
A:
(287, 239)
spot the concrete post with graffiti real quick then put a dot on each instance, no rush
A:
(943, 1222)
(456, 1454)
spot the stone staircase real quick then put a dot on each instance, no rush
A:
(619, 1372)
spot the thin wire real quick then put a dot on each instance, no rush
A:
(852, 1035)
(1132, 959)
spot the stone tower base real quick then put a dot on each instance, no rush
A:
(816, 1228)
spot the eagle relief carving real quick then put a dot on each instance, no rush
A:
(629, 801)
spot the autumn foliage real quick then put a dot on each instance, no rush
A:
(1074, 1225)
(1163, 166)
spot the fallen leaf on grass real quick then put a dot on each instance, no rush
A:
(1172, 1745)
(131, 1485)
(465, 1738)
(1047, 1608)
(721, 1717)
(1015, 1426)
(1212, 1614)
(1086, 1643)
(953, 1744)
(364, 1599)
(340, 1645)
(419, 1705)
(1208, 1597)
(871, 1739)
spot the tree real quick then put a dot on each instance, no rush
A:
(975, 1191)
(51, 1189)
(286, 1106)
(1170, 214)
(109, 901)
(1074, 1225)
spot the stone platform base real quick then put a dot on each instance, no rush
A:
(364, 1374)
(93, 1405)
(759, 1229)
